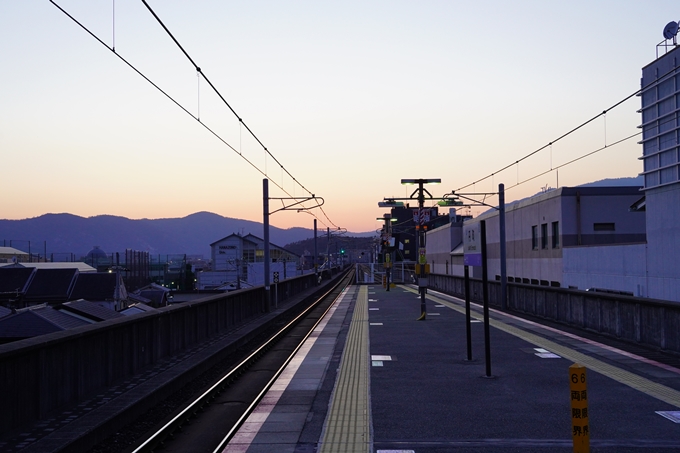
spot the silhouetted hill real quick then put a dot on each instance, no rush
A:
(348, 243)
(616, 182)
(193, 234)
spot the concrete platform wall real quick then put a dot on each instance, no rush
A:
(650, 322)
(42, 374)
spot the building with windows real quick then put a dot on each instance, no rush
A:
(622, 239)
(553, 236)
(12, 255)
(239, 260)
(403, 229)
(660, 98)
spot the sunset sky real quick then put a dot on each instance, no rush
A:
(350, 97)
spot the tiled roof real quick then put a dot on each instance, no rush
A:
(95, 286)
(82, 267)
(50, 285)
(14, 278)
(133, 297)
(12, 251)
(61, 320)
(136, 309)
(4, 311)
(88, 310)
(154, 295)
(34, 322)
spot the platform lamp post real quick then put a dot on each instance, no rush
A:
(387, 246)
(420, 237)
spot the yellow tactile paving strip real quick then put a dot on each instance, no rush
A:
(651, 388)
(348, 424)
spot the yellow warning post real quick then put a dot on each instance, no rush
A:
(580, 430)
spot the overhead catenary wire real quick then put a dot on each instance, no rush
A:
(195, 117)
(267, 152)
(585, 123)
(217, 92)
(670, 119)
(575, 160)
(603, 113)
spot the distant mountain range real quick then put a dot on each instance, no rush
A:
(617, 182)
(62, 234)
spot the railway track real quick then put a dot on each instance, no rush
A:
(210, 421)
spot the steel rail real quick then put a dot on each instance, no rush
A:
(188, 412)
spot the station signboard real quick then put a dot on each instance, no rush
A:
(472, 245)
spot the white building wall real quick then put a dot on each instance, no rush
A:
(663, 242)
(587, 266)
(613, 267)
(254, 275)
(439, 244)
(256, 272)
(524, 262)
(224, 253)
(661, 170)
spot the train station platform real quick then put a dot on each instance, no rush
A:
(375, 379)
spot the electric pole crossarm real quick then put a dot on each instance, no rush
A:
(476, 202)
(299, 201)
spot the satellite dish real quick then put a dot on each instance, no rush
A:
(670, 30)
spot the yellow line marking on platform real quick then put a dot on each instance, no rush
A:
(644, 385)
(348, 425)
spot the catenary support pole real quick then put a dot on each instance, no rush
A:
(265, 210)
(421, 249)
(316, 255)
(501, 222)
(485, 293)
(468, 321)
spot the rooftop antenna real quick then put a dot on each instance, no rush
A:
(670, 31)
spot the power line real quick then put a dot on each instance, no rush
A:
(575, 160)
(604, 112)
(196, 118)
(551, 143)
(202, 74)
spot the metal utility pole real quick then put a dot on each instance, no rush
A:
(295, 204)
(387, 257)
(316, 256)
(485, 299)
(265, 204)
(501, 224)
(420, 237)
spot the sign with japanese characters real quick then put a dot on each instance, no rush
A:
(422, 215)
(472, 245)
(580, 430)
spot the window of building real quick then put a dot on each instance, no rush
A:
(406, 252)
(555, 235)
(604, 226)
(544, 235)
(406, 241)
(249, 256)
(534, 237)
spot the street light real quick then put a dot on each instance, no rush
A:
(390, 203)
(422, 259)
(421, 181)
(387, 261)
(450, 201)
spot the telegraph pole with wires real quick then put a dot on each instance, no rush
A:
(421, 227)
